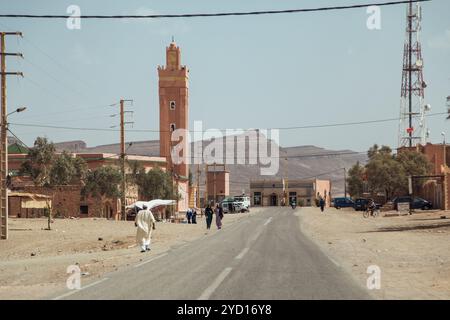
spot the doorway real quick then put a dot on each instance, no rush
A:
(273, 200)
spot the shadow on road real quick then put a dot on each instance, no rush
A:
(412, 228)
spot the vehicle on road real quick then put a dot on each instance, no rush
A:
(414, 202)
(242, 203)
(235, 204)
(361, 204)
(343, 202)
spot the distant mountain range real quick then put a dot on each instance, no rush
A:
(301, 162)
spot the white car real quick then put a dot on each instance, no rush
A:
(242, 203)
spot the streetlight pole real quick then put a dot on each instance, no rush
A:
(345, 183)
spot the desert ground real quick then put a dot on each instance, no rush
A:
(412, 251)
(34, 261)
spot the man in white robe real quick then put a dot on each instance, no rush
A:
(145, 223)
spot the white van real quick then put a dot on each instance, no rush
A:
(242, 202)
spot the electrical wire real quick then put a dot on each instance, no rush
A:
(217, 14)
(192, 131)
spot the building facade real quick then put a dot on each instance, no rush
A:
(68, 201)
(280, 192)
(434, 187)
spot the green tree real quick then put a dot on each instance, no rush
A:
(67, 169)
(355, 180)
(39, 162)
(156, 184)
(102, 183)
(413, 164)
(389, 173)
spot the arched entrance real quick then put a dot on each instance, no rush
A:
(273, 200)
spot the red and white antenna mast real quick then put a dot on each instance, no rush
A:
(412, 128)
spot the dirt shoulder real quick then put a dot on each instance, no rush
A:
(411, 251)
(34, 261)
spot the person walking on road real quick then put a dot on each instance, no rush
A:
(189, 215)
(219, 216)
(145, 223)
(209, 216)
(322, 204)
(194, 216)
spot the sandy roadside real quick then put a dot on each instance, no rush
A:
(411, 251)
(34, 261)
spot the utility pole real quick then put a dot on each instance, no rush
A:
(345, 182)
(123, 187)
(215, 193)
(4, 136)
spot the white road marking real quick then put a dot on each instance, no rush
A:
(242, 254)
(82, 288)
(268, 221)
(150, 260)
(256, 236)
(210, 290)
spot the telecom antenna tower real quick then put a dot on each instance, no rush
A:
(412, 128)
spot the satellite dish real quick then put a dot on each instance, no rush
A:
(427, 107)
(419, 63)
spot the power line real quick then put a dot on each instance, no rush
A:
(192, 131)
(203, 15)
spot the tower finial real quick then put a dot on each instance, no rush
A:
(173, 39)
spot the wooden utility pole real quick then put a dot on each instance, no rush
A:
(123, 188)
(4, 136)
(122, 161)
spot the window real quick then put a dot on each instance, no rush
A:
(172, 127)
(172, 105)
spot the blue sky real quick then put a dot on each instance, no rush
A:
(245, 72)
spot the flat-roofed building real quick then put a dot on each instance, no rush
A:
(280, 192)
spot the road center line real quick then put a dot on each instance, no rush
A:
(150, 260)
(268, 221)
(82, 288)
(210, 290)
(242, 254)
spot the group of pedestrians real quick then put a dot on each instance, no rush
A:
(146, 222)
(209, 212)
(191, 216)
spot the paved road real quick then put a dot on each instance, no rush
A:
(264, 256)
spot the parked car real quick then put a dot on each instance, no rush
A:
(227, 205)
(242, 203)
(343, 203)
(361, 204)
(415, 203)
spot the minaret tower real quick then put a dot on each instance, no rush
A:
(173, 107)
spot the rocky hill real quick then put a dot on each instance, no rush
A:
(301, 162)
